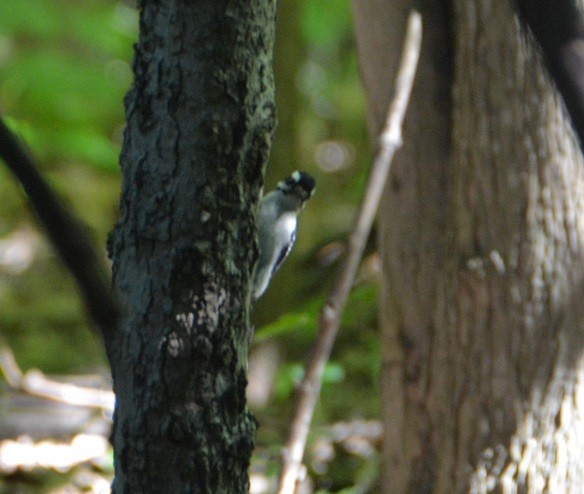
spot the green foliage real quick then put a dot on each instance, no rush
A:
(64, 68)
(327, 24)
(293, 321)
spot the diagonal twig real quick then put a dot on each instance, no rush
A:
(68, 234)
(390, 141)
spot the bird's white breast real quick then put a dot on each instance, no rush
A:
(287, 225)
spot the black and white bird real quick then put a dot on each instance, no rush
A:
(277, 225)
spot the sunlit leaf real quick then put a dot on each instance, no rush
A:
(295, 321)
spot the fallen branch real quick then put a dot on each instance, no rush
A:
(35, 383)
(390, 141)
(26, 455)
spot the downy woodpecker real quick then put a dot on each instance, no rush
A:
(277, 224)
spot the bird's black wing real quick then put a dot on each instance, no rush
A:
(284, 253)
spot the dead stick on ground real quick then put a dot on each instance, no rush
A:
(390, 141)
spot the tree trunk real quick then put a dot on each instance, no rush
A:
(412, 257)
(200, 120)
(481, 318)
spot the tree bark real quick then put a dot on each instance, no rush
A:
(558, 26)
(200, 121)
(482, 323)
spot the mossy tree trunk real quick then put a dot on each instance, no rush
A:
(200, 121)
(482, 314)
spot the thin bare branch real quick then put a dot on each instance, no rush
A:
(390, 141)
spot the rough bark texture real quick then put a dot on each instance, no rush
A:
(558, 26)
(200, 120)
(482, 315)
(513, 307)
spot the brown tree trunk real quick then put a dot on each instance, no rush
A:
(200, 120)
(481, 240)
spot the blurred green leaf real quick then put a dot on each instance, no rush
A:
(361, 305)
(72, 143)
(106, 26)
(288, 377)
(111, 30)
(84, 145)
(324, 22)
(64, 70)
(334, 373)
(296, 321)
(45, 80)
(33, 18)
